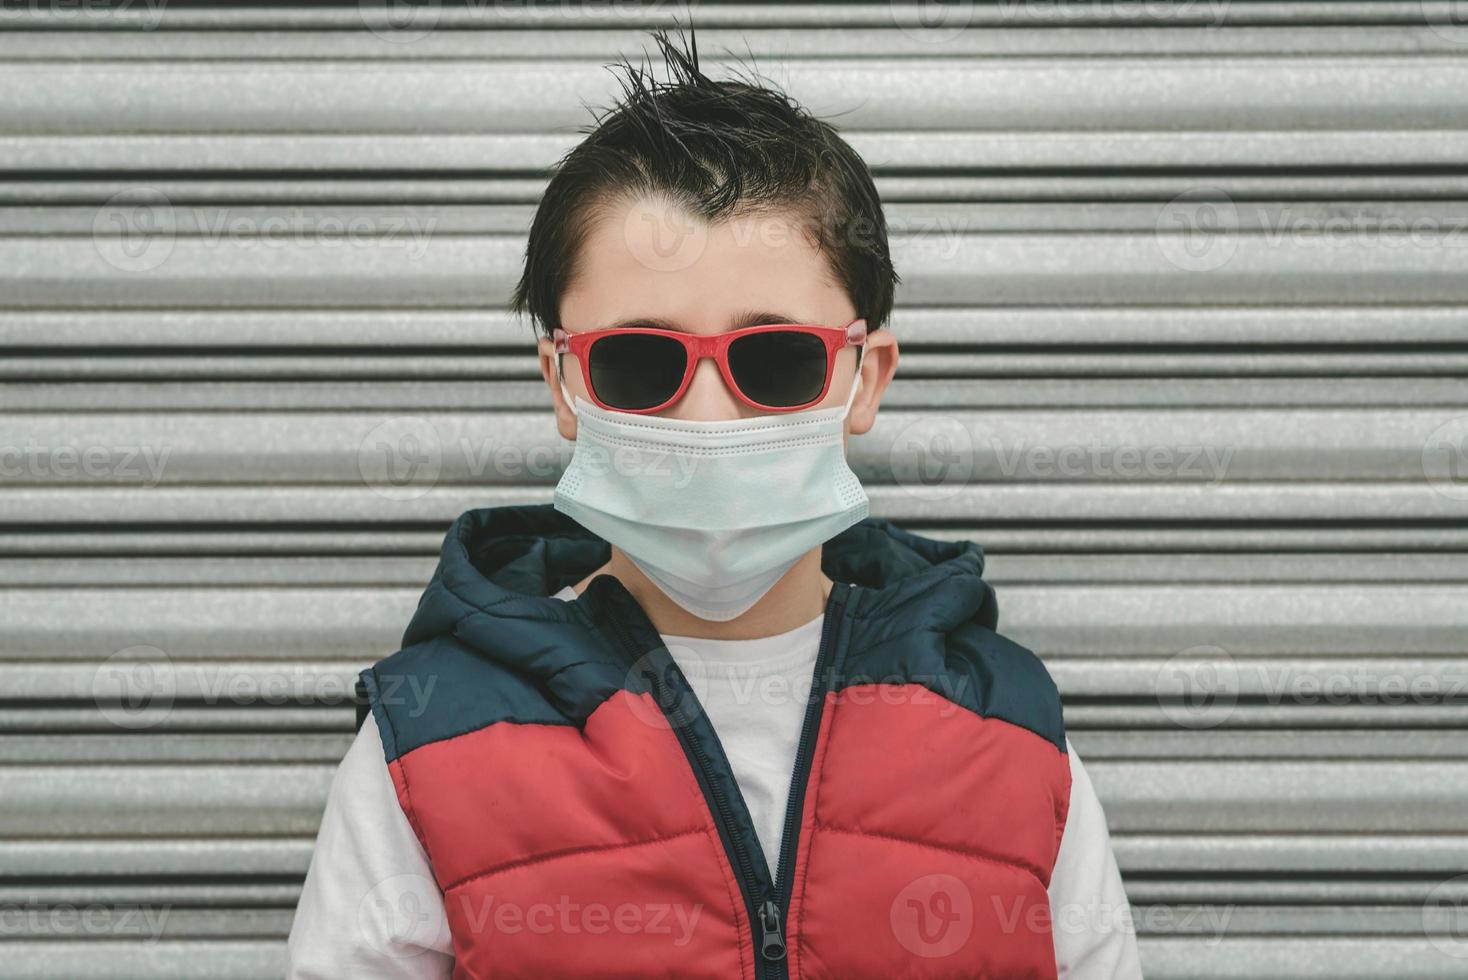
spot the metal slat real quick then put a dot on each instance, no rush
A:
(156, 857)
(915, 392)
(1180, 446)
(1312, 514)
(1139, 854)
(1449, 367)
(930, 151)
(896, 37)
(216, 538)
(1325, 222)
(1415, 797)
(1295, 14)
(252, 959)
(163, 799)
(1388, 92)
(405, 262)
(510, 189)
(1135, 328)
(1001, 569)
(305, 625)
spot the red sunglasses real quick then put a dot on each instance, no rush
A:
(777, 367)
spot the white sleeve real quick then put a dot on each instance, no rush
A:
(1095, 938)
(370, 908)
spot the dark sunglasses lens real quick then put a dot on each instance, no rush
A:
(779, 368)
(634, 371)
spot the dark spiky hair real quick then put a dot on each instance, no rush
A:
(718, 149)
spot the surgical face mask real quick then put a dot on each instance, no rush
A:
(714, 512)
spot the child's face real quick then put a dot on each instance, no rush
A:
(654, 264)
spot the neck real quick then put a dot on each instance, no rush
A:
(795, 600)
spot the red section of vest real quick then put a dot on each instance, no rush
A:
(927, 841)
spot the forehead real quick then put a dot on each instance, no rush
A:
(648, 257)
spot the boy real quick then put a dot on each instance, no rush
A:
(702, 716)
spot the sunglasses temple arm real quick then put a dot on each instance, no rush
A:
(562, 344)
(856, 336)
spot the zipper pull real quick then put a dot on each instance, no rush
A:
(772, 943)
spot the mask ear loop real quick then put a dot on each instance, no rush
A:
(570, 398)
(855, 381)
(561, 380)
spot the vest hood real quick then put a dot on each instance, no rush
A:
(920, 612)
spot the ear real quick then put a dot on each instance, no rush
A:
(878, 365)
(565, 418)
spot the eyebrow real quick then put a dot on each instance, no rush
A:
(748, 318)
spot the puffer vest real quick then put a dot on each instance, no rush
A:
(581, 818)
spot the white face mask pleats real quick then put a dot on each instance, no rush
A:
(714, 512)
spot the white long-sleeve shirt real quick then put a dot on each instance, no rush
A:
(371, 910)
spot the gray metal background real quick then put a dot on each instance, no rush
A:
(175, 649)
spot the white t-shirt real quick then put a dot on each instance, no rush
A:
(370, 910)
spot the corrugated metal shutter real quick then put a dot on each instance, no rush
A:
(1185, 325)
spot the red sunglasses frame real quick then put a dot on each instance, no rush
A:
(699, 346)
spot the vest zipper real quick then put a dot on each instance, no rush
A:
(821, 685)
(772, 933)
(767, 899)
